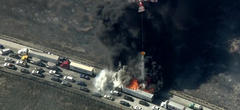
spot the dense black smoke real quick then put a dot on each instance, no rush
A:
(189, 39)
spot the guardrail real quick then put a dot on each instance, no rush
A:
(195, 100)
(59, 87)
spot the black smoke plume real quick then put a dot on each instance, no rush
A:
(189, 39)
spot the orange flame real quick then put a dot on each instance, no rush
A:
(134, 84)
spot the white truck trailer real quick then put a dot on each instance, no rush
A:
(39, 54)
(85, 69)
(139, 94)
(43, 56)
(170, 105)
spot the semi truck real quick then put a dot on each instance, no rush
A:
(39, 54)
(170, 105)
(195, 106)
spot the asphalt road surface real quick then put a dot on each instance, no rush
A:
(76, 76)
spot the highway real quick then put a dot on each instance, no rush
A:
(90, 83)
(186, 100)
(176, 97)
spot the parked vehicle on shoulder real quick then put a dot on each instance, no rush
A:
(23, 70)
(69, 78)
(56, 79)
(143, 103)
(137, 108)
(66, 83)
(14, 55)
(195, 106)
(125, 103)
(168, 104)
(115, 92)
(10, 66)
(84, 89)
(108, 97)
(9, 60)
(81, 83)
(128, 98)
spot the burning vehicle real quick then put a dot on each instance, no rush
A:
(134, 81)
(134, 90)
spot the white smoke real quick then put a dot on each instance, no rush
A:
(108, 80)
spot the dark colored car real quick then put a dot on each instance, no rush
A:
(41, 64)
(14, 55)
(56, 79)
(84, 76)
(23, 70)
(84, 89)
(143, 103)
(81, 83)
(97, 95)
(65, 83)
(128, 98)
(125, 103)
(58, 75)
(40, 70)
(1, 46)
(87, 77)
(38, 75)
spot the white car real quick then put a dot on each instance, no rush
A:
(52, 72)
(35, 71)
(155, 107)
(21, 63)
(68, 78)
(5, 51)
(137, 108)
(10, 66)
(108, 97)
(115, 92)
(23, 51)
